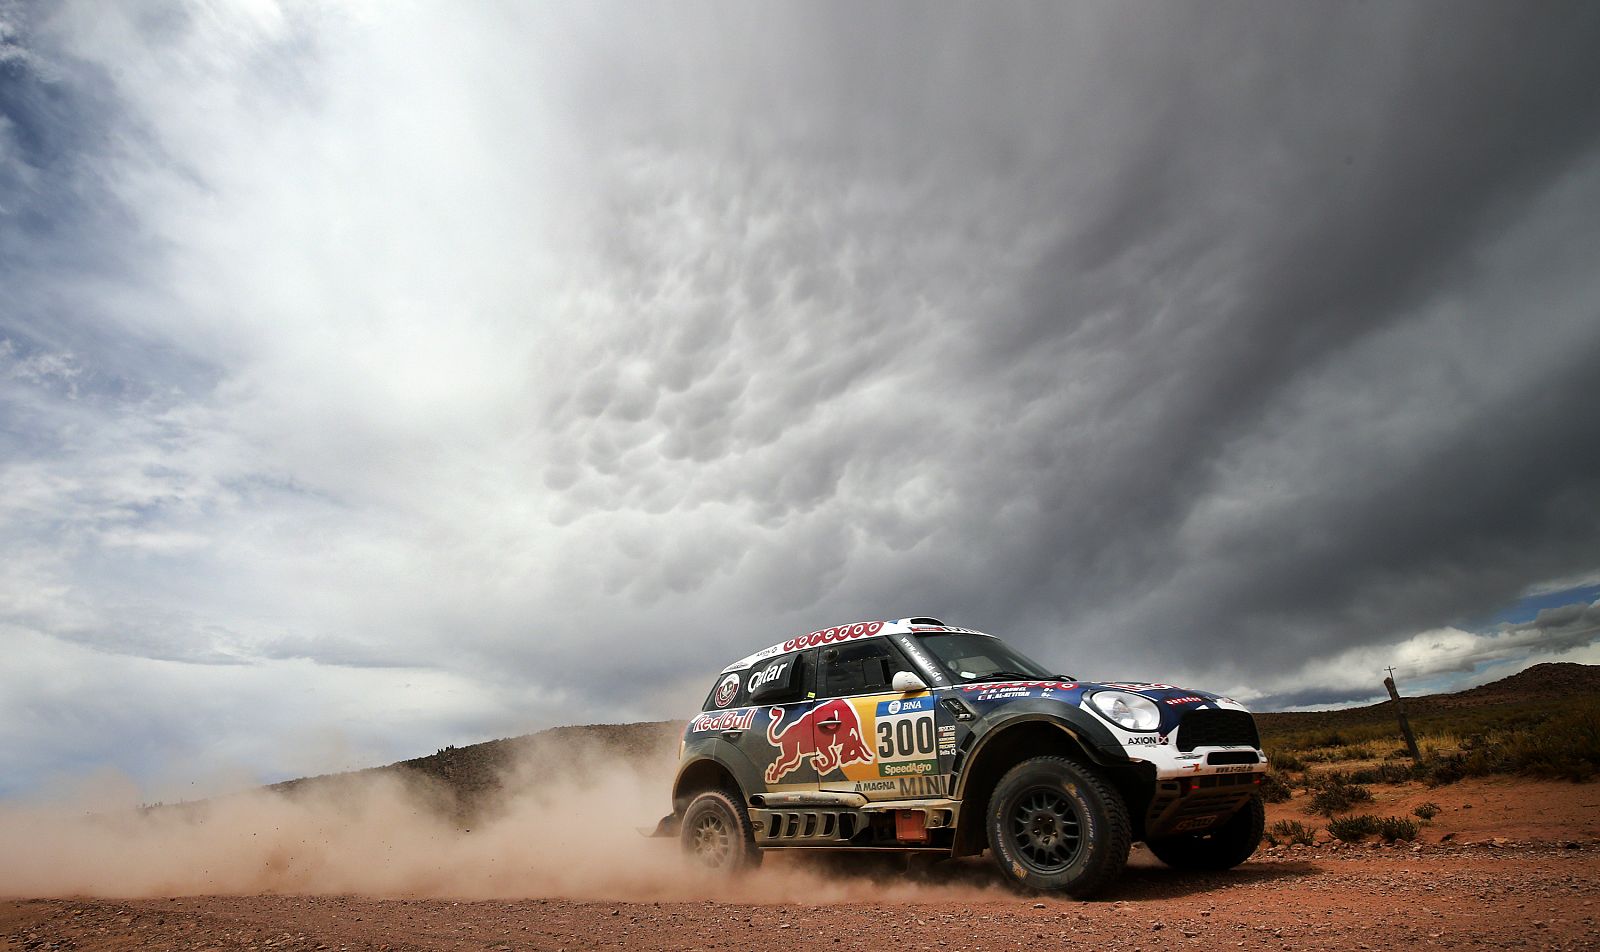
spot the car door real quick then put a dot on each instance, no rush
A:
(774, 747)
(872, 739)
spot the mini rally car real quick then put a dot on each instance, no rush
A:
(916, 736)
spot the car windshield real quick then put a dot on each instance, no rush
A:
(970, 657)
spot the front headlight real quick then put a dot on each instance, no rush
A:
(1130, 711)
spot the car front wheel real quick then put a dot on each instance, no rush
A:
(1055, 824)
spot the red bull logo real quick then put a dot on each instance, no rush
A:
(829, 733)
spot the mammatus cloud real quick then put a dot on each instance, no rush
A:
(440, 373)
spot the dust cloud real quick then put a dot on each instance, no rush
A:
(562, 827)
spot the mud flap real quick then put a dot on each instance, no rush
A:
(667, 827)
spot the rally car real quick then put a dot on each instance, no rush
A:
(917, 736)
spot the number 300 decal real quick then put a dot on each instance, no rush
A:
(905, 737)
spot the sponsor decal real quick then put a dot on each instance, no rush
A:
(906, 767)
(1133, 686)
(947, 739)
(861, 629)
(723, 721)
(771, 672)
(921, 786)
(1184, 700)
(929, 669)
(829, 747)
(1195, 822)
(1147, 740)
(905, 706)
(727, 690)
(874, 786)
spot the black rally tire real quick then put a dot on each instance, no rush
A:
(1222, 848)
(716, 834)
(1055, 824)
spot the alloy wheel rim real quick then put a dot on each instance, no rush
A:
(1045, 829)
(712, 840)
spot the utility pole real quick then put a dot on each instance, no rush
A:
(1400, 711)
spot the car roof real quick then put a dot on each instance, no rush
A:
(842, 633)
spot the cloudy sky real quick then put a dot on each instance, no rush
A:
(379, 376)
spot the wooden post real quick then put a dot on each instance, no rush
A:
(1405, 723)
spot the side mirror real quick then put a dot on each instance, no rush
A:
(908, 683)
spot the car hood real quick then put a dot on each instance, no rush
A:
(1172, 701)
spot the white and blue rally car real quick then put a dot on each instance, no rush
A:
(917, 736)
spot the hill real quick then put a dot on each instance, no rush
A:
(1512, 700)
(473, 778)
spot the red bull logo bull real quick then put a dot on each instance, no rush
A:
(829, 733)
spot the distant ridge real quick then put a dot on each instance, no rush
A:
(1562, 679)
(1551, 677)
(473, 778)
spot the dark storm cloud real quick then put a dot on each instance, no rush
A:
(570, 353)
(1393, 155)
(1230, 215)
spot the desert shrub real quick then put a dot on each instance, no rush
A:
(1290, 831)
(1442, 770)
(1286, 761)
(1351, 829)
(1321, 755)
(1393, 828)
(1273, 789)
(1337, 795)
(1387, 772)
(1396, 772)
(1426, 811)
(1566, 748)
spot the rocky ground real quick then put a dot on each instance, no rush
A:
(1366, 898)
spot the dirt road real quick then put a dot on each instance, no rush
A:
(1485, 897)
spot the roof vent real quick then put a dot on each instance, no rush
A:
(925, 621)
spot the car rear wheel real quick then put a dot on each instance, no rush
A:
(1055, 824)
(1222, 848)
(717, 835)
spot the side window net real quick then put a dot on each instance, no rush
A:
(865, 667)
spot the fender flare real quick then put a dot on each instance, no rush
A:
(1094, 738)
